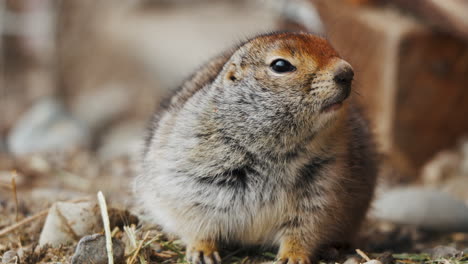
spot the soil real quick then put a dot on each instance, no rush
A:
(41, 180)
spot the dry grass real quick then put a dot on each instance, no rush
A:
(57, 177)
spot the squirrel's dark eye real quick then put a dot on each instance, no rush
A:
(282, 66)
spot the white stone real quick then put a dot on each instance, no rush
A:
(352, 260)
(426, 208)
(68, 222)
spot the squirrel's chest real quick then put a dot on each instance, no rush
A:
(264, 188)
(265, 183)
(284, 194)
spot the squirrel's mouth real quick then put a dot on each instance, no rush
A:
(334, 103)
(332, 107)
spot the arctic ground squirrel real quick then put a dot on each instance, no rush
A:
(261, 146)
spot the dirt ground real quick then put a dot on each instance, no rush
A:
(41, 180)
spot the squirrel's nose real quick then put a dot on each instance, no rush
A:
(343, 74)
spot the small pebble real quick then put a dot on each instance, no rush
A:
(352, 260)
(373, 261)
(92, 249)
(10, 257)
(441, 252)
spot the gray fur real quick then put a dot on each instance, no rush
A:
(238, 159)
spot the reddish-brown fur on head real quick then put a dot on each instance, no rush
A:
(315, 48)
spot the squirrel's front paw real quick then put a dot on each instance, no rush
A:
(203, 252)
(293, 251)
(293, 258)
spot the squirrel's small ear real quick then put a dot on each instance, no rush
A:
(233, 73)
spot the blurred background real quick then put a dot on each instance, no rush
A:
(80, 79)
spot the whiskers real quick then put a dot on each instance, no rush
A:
(356, 92)
(355, 88)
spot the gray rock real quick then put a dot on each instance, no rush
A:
(46, 126)
(444, 252)
(92, 249)
(441, 252)
(10, 257)
(425, 208)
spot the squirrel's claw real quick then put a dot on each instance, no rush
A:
(197, 255)
(293, 260)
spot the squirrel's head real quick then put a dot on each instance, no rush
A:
(300, 70)
(283, 86)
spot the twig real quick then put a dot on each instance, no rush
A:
(130, 231)
(163, 255)
(11, 228)
(140, 245)
(115, 231)
(15, 194)
(150, 241)
(363, 255)
(39, 215)
(107, 231)
(144, 246)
